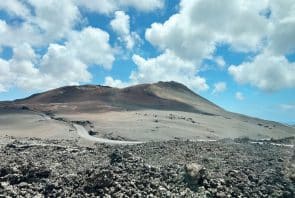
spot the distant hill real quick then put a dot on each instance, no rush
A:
(161, 95)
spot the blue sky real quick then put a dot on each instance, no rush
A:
(240, 54)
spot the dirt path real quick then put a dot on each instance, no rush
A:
(275, 144)
(82, 132)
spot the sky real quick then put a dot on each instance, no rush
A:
(240, 54)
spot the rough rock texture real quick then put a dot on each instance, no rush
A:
(40, 168)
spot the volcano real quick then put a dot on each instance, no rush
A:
(92, 98)
(144, 112)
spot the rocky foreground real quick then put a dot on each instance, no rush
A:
(226, 168)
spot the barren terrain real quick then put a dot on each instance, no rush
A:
(151, 140)
(225, 168)
(148, 112)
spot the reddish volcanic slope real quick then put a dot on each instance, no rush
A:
(92, 98)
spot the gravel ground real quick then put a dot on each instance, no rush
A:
(226, 168)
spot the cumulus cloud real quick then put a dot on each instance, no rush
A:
(12, 36)
(282, 36)
(282, 31)
(147, 5)
(121, 25)
(108, 6)
(5, 75)
(265, 28)
(56, 17)
(25, 70)
(61, 65)
(66, 53)
(267, 72)
(15, 7)
(91, 46)
(109, 81)
(21, 66)
(167, 67)
(47, 24)
(270, 70)
(194, 32)
(239, 96)
(219, 87)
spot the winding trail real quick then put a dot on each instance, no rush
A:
(82, 132)
(275, 144)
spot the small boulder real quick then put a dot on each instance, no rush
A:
(220, 194)
(116, 157)
(194, 175)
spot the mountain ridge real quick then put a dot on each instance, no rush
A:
(161, 95)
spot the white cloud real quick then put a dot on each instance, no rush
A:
(66, 68)
(186, 38)
(22, 62)
(5, 75)
(13, 36)
(282, 36)
(92, 47)
(52, 20)
(239, 96)
(219, 87)
(51, 27)
(100, 6)
(267, 72)
(219, 61)
(194, 32)
(109, 81)
(24, 51)
(108, 6)
(15, 7)
(270, 70)
(25, 70)
(68, 64)
(61, 65)
(55, 17)
(121, 25)
(283, 26)
(2, 89)
(147, 5)
(167, 67)
(200, 26)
